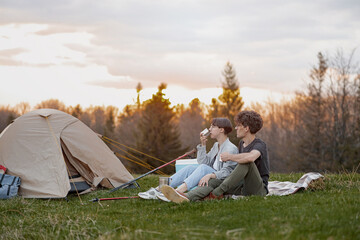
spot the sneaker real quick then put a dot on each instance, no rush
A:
(149, 194)
(173, 195)
(162, 197)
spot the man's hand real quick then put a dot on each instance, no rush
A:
(204, 181)
(225, 156)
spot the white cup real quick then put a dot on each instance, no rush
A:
(205, 132)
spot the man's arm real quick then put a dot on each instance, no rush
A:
(241, 157)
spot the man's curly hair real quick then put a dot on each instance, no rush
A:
(250, 119)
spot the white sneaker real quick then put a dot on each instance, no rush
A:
(162, 197)
(149, 194)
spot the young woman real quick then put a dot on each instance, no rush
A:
(210, 164)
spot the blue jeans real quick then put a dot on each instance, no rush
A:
(190, 175)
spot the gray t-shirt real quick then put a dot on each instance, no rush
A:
(262, 162)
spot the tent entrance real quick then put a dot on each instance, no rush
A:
(77, 181)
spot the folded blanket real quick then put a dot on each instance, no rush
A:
(286, 188)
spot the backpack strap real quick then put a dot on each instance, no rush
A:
(2, 177)
(13, 180)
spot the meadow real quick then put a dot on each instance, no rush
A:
(328, 211)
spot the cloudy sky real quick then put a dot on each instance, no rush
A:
(95, 52)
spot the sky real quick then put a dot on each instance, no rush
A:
(95, 52)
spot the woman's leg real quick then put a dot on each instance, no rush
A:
(194, 178)
(178, 178)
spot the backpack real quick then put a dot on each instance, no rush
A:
(9, 186)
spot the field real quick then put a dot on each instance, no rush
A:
(332, 211)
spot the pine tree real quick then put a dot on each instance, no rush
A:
(191, 123)
(139, 87)
(313, 139)
(158, 132)
(110, 118)
(230, 102)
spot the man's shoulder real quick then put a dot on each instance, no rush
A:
(258, 140)
(258, 143)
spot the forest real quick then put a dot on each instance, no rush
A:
(317, 130)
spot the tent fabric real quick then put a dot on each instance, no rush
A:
(37, 145)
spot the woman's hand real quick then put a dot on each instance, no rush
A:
(203, 139)
(204, 181)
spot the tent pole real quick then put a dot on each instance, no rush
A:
(154, 170)
(115, 198)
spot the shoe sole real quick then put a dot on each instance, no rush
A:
(172, 195)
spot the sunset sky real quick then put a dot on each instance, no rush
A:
(95, 52)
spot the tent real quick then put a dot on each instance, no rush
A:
(46, 146)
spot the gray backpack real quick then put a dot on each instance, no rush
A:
(9, 186)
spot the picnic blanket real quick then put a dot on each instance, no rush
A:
(277, 188)
(286, 188)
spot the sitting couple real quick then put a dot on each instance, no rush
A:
(250, 175)
(210, 165)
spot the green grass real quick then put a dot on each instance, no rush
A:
(329, 213)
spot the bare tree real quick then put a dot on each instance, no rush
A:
(22, 108)
(51, 103)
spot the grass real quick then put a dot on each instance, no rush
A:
(331, 212)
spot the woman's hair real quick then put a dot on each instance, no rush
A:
(250, 119)
(222, 123)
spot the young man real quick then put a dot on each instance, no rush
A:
(250, 177)
(210, 166)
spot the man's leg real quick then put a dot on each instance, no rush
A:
(244, 174)
(201, 192)
(253, 184)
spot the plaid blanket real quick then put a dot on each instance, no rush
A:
(286, 188)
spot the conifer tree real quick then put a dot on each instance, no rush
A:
(230, 100)
(229, 103)
(110, 117)
(158, 132)
(191, 123)
(313, 139)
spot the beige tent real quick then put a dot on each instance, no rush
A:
(45, 146)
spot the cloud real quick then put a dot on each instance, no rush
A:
(119, 83)
(272, 44)
(7, 56)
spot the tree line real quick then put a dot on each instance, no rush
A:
(317, 130)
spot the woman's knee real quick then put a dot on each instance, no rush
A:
(188, 168)
(204, 167)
